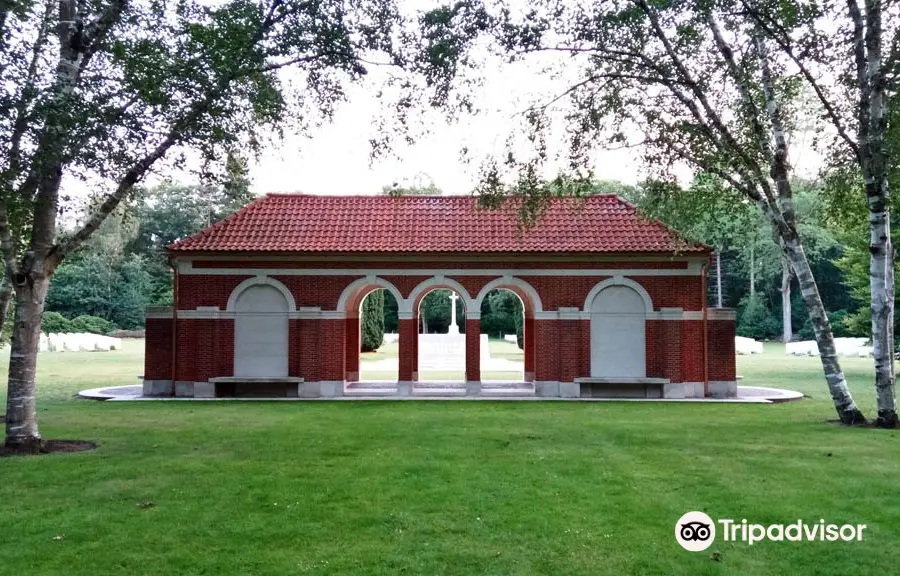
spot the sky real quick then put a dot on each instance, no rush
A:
(335, 157)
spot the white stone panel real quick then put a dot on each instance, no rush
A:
(618, 325)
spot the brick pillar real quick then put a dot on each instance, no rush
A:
(528, 348)
(353, 349)
(671, 336)
(307, 359)
(415, 349)
(570, 344)
(206, 350)
(330, 347)
(406, 355)
(225, 347)
(585, 368)
(473, 350)
(546, 345)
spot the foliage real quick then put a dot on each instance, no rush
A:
(391, 314)
(840, 321)
(56, 323)
(501, 314)
(116, 289)
(434, 312)
(756, 321)
(372, 321)
(92, 324)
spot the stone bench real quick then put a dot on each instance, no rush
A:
(227, 386)
(612, 387)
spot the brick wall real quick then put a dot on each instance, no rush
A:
(721, 350)
(158, 349)
(406, 284)
(332, 348)
(196, 291)
(546, 362)
(692, 351)
(353, 344)
(309, 363)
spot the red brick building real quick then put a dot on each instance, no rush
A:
(269, 298)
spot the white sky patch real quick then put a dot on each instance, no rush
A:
(335, 158)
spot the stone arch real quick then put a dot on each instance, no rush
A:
(353, 294)
(435, 283)
(257, 281)
(525, 291)
(618, 281)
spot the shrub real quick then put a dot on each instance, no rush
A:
(93, 324)
(757, 321)
(55, 322)
(372, 329)
(839, 327)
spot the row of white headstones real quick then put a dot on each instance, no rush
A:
(78, 342)
(850, 347)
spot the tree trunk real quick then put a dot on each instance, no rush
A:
(718, 278)
(752, 272)
(787, 332)
(881, 283)
(21, 419)
(5, 298)
(846, 408)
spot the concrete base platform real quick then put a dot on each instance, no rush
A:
(745, 395)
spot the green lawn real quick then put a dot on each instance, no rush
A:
(441, 487)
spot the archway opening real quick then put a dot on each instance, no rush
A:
(378, 349)
(502, 343)
(441, 343)
(618, 327)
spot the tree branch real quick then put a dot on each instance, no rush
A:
(784, 45)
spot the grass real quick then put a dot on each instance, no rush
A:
(442, 487)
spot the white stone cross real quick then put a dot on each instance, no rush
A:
(454, 329)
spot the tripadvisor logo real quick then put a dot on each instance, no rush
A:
(695, 531)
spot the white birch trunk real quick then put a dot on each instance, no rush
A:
(784, 225)
(881, 284)
(718, 278)
(752, 272)
(787, 333)
(21, 417)
(847, 410)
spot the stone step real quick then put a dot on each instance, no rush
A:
(497, 392)
(358, 391)
(439, 392)
(439, 385)
(501, 385)
(373, 384)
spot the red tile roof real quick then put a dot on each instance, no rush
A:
(308, 223)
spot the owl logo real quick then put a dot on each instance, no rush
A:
(695, 531)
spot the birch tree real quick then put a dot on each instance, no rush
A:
(848, 56)
(688, 84)
(115, 89)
